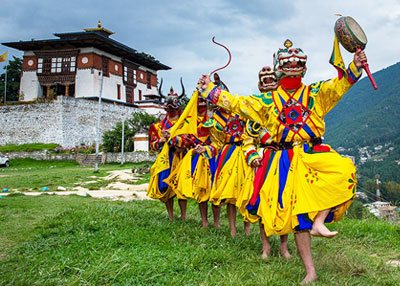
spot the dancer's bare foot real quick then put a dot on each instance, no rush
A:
(285, 253)
(233, 232)
(182, 206)
(322, 231)
(266, 252)
(204, 224)
(216, 215)
(170, 208)
(284, 247)
(247, 228)
(310, 277)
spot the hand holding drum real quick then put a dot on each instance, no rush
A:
(354, 40)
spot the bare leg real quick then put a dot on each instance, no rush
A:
(319, 228)
(182, 206)
(232, 218)
(266, 247)
(170, 208)
(284, 246)
(303, 243)
(203, 207)
(246, 226)
(216, 214)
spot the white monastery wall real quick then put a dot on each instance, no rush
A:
(29, 87)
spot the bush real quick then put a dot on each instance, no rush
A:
(112, 139)
(356, 210)
(84, 149)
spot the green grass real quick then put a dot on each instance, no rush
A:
(28, 147)
(51, 240)
(30, 174)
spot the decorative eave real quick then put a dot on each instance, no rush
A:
(97, 39)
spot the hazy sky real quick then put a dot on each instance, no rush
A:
(178, 33)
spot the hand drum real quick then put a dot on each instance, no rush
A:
(353, 38)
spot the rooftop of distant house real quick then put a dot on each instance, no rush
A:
(91, 37)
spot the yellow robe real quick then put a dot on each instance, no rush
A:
(300, 181)
(193, 182)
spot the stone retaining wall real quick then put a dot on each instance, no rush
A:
(66, 121)
(134, 157)
(85, 159)
(40, 155)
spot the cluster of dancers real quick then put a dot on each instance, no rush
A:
(262, 154)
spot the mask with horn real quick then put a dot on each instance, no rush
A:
(172, 101)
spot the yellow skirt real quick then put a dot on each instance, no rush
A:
(230, 176)
(192, 178)
(160, 166)
(301, 183)
(245, 196)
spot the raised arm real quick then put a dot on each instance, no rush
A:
(331, 91)
(247, 106)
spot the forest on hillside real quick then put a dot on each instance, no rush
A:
(365, 125)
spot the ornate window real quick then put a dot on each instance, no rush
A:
(134, 76)
(148, 80)
(130, 75)
(118, 91)
(40, 65)
(72, 67)
(129, 93)
(105, 66)
(125, 73)
(54, 65)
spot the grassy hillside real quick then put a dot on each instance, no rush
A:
(51, 240)
(365, 116)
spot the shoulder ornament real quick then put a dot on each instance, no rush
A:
(265, 98)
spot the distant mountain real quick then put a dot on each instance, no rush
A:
(364, 116)
(370, 119)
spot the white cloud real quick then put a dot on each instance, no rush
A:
(179, 33)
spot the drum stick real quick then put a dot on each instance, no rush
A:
(366, 68)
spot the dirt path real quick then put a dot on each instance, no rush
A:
(118, 189)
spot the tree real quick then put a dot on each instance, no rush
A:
(356, 210)
(112, 139)
(391, 192)
(14, 69)
(141, 121)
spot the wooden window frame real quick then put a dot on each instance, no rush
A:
(118, 91)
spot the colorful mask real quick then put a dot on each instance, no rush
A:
(172, 101)
(267, 79)
(290, 61)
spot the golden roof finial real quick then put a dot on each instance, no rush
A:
(288, 44)
(99, 29)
